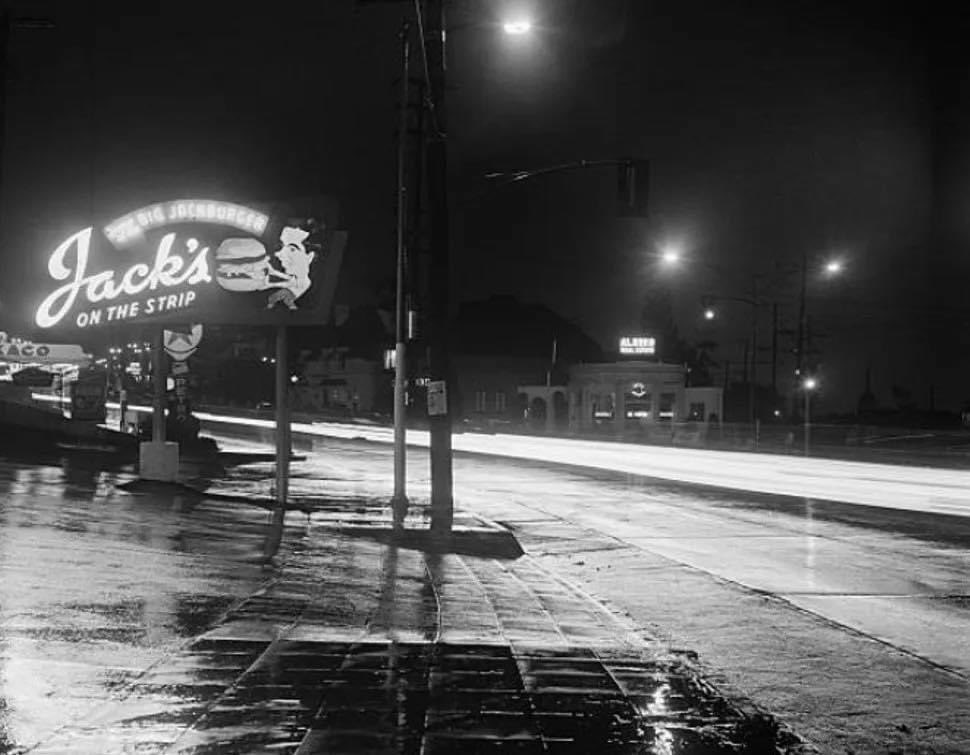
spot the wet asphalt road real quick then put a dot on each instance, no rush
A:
(910, 487)
(143, 620)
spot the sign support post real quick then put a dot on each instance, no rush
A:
(157, 459)
(282, 419)
(158, 384)
(275, 535)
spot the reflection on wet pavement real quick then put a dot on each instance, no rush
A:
(233, 696)
(97, 585)
(144, 623)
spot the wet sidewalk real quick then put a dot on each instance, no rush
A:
(354, 641)
(364, 647)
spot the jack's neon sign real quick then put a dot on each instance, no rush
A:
(165, 284)
(169, 269)
(194, 260)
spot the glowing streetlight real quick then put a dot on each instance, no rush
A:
(517, 27)
(834, 267)
(709, 314)
(670, 256)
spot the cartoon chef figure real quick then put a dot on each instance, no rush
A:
(294, 281)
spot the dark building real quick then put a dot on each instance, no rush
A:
(500, 344)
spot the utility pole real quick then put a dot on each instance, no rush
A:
(399, 502)
(442, 501)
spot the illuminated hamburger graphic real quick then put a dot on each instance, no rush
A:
(243, 265)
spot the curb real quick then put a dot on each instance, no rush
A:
(485, 542)
(488, 540)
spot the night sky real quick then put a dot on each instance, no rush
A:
(773, 130)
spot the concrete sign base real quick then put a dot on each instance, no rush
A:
(158, 461)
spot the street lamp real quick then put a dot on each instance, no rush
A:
(834, 267)
(754, 302)
(430, 17)
(670, 256)
(431, 24)
(517, 27)
(808, 385)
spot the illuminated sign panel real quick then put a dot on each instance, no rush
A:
(631, 345)
(197, 260)
(181, 344)
(21, 351)
(131, 227)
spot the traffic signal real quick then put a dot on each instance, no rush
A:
(633, 185)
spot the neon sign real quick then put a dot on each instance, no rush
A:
(638, 345)
(195, 260)
(22, 351)
(70, 260)
(131, 227)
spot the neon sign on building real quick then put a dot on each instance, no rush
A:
(195, 259)
(642, 345)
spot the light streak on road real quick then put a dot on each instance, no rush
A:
(908, 488)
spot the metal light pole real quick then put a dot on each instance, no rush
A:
(808, 386)
(832, 268)
(399, 502)
(774, 351)
(750, 345)
(802, 313)
(800, 338)
(753, 377)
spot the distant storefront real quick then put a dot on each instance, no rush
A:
(336, 381)
(627, 394)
